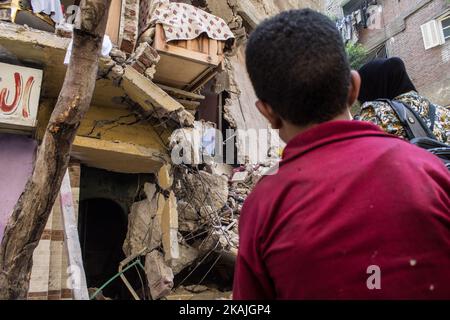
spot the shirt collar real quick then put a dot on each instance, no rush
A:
(329, 132)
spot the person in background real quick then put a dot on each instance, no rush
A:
(388, 79)
(352, 213)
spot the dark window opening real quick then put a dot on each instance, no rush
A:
(351, 6)
(446, 27)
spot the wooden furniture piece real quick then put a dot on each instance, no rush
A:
(114, 21)
(187, 64)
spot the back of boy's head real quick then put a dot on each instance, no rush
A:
(298, 65)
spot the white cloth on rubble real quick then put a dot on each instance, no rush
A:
(106, 49)
(185, 22)
(50, 7)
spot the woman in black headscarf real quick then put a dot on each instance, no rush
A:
(384, 79)
(388, 79)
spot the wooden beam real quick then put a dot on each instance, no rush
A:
(181, 93)
(188, 104)
(72, 241)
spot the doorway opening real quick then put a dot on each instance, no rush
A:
(102, 230)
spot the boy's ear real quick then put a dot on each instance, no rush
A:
(355, 85)
(268, 113)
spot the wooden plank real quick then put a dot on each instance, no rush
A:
(199, 57)
(160, 39)
(181, 93)
(72, 241)
(221, 46)
(205, 44)
(190, 45)
(189, 104)
(195, 45)
(213, 47)
(176, 71)
(202, 57)
(203, 81)
(113, 25)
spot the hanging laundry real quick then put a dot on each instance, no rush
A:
(348, 28)
(358, 16)
(51, 8)
(106, 49)
(349, 25)
(355, 33)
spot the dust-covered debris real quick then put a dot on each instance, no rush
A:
(159, 275)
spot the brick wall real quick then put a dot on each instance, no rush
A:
(429, 69)
(401, 21)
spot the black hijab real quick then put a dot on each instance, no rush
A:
(384, 79)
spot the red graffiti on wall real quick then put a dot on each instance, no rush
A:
(18, 96)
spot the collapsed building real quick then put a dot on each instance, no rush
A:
(131, 221)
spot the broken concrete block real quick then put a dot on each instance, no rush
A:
(188, 226)
(222, 169)
(64, 30)
(206, 211)
(209, 190)
(188, 255)
(165, 178)
(118, 55)
(185, 145)
(147, 36)
(186, 211)
(159, 275)
(240, 176)
(116, 73)
(183, 117)
(150, 72)
(169, 227)
(140, 222)
(144, 57)
(150, 190)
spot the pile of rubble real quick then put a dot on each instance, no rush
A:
(189, 217)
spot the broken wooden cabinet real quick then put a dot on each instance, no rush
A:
(187, 64)
(113, 27)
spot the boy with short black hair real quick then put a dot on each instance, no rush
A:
(353, 213)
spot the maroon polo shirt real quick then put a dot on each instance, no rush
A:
(347, 198)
